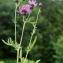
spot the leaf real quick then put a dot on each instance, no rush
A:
(37, 61)
(32, 45)
(5, 42)
(9, 42)
(29, 48)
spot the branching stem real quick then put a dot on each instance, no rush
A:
(33, 31)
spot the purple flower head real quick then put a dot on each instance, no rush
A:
(33, 3)
(25, 9)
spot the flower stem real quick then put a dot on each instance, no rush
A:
(37, 16)
(34, 27)
(15, 20)
(21, 54)
(33, 32)
(15, 32)
(18, 56)
(22, 31)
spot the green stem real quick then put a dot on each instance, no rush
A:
(21, 54)
(22, 31)
(22, 38)
(24, 23)
(37, 17)
(33, 33)
(34, 26)
(31, 36)
(15, 32)
(18, 56)
(27, 54)
(15, 21)
(23, 28)
(30, 42)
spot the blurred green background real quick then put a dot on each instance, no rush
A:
(49, 46)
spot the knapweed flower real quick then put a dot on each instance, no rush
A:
(33, 3)
(25, 9)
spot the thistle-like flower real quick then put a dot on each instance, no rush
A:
(25, 9)
(33, 3)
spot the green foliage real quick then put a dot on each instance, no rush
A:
(59, 49)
